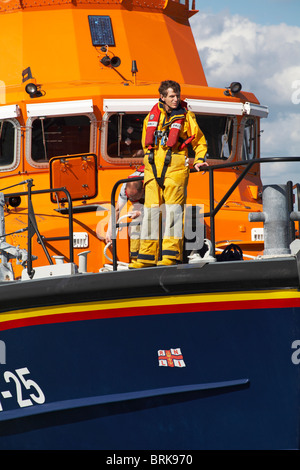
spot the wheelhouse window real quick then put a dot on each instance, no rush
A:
(61, 135)
(9, 139)
(219, 134)
(250, 139)
(124, 134)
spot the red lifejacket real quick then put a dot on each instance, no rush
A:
(174, 123)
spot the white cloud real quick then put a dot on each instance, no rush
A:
(266, 60)
(263, 58)
(281, 137)
(283, 86)
(286, 129)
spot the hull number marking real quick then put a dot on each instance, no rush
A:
(20, 381)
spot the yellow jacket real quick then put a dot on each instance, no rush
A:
(179, 166)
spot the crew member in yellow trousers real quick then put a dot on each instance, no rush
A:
(167, 130)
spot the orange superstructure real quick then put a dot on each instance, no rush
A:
(96, 66)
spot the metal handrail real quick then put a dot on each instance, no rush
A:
(114, 224)
(248, 164)
(32, 225)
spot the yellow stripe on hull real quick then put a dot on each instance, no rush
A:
(133, 303)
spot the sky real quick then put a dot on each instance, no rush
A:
(260, 48)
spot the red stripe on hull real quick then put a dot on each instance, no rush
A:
(150, 310)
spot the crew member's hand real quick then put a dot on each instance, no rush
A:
(134, 214)
(108, 237)
(200, 165)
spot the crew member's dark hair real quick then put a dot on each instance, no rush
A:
(137, 185)
(166, 84)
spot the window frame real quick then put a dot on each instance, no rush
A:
(104, 140)
(17, 145)
(219, 161)
(139, 161)
(236, 110)
(241, 142)
(28, 145)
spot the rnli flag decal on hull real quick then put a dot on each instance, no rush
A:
(170, 358)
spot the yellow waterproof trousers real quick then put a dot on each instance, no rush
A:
(134, 242)
(165, 205)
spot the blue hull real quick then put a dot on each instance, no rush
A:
(104, 388)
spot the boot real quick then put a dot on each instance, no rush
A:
(167, 262)
(140, 264)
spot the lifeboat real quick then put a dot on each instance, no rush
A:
(94, 355)
(83, 78)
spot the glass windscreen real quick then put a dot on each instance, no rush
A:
(249, 142)
(63, 135)
(7, 143)
(124, 135)
(218, 131)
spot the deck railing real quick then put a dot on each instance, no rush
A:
(32, 227)
(245, 166)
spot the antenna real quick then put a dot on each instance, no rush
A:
(134, 70)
